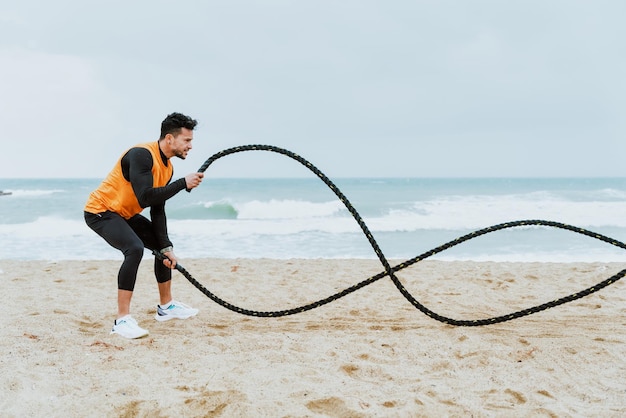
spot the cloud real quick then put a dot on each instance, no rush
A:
(487, 81)
(53, 106)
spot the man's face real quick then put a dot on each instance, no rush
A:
(181, 143)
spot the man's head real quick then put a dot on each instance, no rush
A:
(174, 122)
(176, 135)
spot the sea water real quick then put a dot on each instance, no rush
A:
(42, 219)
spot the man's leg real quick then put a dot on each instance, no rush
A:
(167, 310)
(116, 231)
(165, 292)
(143, 228)
(123, 302)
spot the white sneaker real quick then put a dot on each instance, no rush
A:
(127, 327)
(176, 310)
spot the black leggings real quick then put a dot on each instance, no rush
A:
(130, 237)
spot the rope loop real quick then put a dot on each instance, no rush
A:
(390, 271)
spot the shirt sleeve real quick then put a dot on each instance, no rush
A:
(137, 168)
(159, 225)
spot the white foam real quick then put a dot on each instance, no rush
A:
(31, 193)
(474, 213)
(286, 209)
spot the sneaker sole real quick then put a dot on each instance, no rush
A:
(130, 337)
(168, 317)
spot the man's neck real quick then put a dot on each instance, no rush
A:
(164, 157)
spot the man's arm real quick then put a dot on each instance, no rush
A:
(137, 168)
(159, 225)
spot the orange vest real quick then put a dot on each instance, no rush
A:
(116, 194)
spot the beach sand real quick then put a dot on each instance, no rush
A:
(370, 353)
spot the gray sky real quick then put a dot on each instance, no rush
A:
(360, 88)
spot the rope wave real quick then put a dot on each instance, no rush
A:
(389, 270)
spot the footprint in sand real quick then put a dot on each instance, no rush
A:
(333, 407)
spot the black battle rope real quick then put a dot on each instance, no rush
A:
(390, 271)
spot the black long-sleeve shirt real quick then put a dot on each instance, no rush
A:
(137, 169)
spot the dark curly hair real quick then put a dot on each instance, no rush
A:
(173, 123)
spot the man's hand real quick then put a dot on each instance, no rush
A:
(170, 260)
(193, 180)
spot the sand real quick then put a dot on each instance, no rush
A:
(370, 353)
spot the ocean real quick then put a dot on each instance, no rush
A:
(42, 219)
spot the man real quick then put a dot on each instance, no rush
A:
(140, 179)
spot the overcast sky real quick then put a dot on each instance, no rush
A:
(360, 88)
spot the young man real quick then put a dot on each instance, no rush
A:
(140, 179)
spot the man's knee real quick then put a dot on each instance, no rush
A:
(133, 250)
